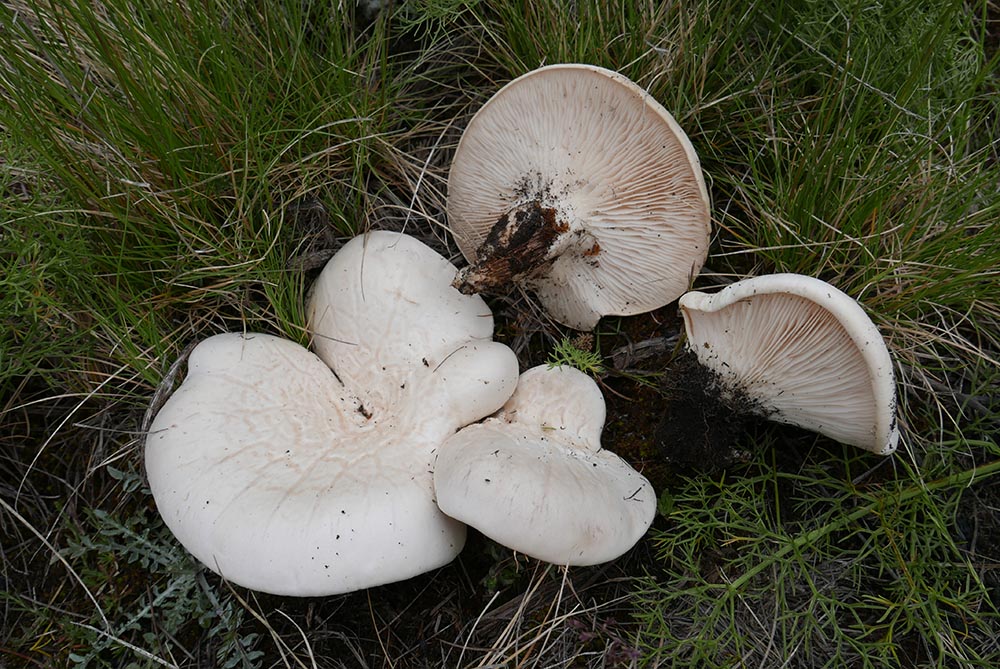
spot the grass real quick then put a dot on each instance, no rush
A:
(170, 172)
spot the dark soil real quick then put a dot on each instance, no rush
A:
(704, 421)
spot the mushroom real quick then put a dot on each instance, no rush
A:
(575, 182)
(535, 479)
(804, 352)
(294, 475)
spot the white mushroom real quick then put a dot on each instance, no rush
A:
(805, 352)
(535, 479)
(288, 478)
(574, 181)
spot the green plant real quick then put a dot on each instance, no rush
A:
(567, 352)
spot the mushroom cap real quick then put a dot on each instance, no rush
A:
(535, 479)
(596, 147)
(384, 304)
(285, 478)
(807, 352)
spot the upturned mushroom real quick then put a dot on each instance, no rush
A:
(575, 182)
(535, 478)
(294, 475)
(803, 352)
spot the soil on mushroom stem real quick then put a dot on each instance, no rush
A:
(518, 248)
(518, 244)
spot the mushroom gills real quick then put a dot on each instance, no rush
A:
(806, 354)
(574, 183)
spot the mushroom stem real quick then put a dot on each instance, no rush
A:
(525, 240)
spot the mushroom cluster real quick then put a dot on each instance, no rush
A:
(313, 473)
(361, 462)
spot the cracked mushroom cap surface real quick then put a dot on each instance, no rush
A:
(293, 475)
(608, 171)
(535, 478)
(805, 351)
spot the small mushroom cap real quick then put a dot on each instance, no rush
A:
(615, 166)
(536, 480)
(805, 350)
(285, 478)
(384, 303)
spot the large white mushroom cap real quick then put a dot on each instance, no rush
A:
(574, 180)
(804, 350)
(288, 478)
(535, 478)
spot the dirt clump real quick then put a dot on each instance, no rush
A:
(705, 420)
(514, 249)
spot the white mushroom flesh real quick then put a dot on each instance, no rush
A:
(284, 478)
(383, 306)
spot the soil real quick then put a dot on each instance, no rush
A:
(703, 420)
(688, 421)
(666, 414)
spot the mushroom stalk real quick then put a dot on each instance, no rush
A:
(522, 244)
